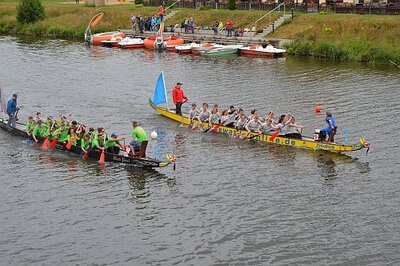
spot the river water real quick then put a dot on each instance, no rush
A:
(229, 202)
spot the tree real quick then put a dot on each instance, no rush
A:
(232, 4)
(30, 11)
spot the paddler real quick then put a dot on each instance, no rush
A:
(30, 126)
(61, 132)
(178, 96)
(193, 113)
(98, 140)
(39, 131)
(113, 144)
(139, 135)
(85, 143)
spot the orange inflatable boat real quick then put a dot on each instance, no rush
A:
(96, 39)
(159, 42)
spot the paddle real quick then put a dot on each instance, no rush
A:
(69, 144)
(53, 143)
(102, 157)
(276, 133)
(211, 128)
(255, 136)
(16, 114)
(45, 143)
(85, 155)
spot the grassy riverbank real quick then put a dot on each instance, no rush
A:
(67, 20)
(364, 38)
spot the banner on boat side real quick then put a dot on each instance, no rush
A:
(160, 92)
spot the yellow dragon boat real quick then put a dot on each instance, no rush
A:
(304, 143)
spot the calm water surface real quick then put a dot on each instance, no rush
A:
(229, 202)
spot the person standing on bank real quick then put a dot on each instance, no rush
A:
(12, 110)
(139, 136)
(178, 96)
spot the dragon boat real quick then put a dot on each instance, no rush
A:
(19, 131)
(304, 143)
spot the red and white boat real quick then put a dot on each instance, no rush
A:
(113, 42)
(160, 43)
(131, 43)
(105, 36)
(198, 50)
(187, 48)
(262, 51)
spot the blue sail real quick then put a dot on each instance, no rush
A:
(160, 92)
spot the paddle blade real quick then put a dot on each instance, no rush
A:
(276, 133)
(69, 144)
(102, 157)
(215, 128)
(45, 144)
(85, 155)
(53, 143)
(96, 19)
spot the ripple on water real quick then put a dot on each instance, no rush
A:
(229, 201)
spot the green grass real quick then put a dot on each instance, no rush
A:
(365, 38)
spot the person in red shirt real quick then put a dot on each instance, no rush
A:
(178, 96)
(229, 27)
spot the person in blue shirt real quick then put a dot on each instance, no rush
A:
(12, 110)
(330, 130)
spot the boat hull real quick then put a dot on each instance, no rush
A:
(305, 143)
(94, 154)
(97, 38)
(259, 51)
(158, 43)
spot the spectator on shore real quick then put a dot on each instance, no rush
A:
(228, 27)
(147, 23)
(186, 25)
(141, 23)
(153, 23)
(216, 29)
(191, 24)
(238, 32)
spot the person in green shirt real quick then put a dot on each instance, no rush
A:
(30, 126)
(85, 143)
(39, 131)
(140, 138)
(61, 133)
(113, 144)
(98, 141)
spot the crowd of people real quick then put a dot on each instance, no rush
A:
(65, 129)
(284, 125)
(236, 118)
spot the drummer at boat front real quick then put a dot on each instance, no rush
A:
(178, 96)
(12, 110)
